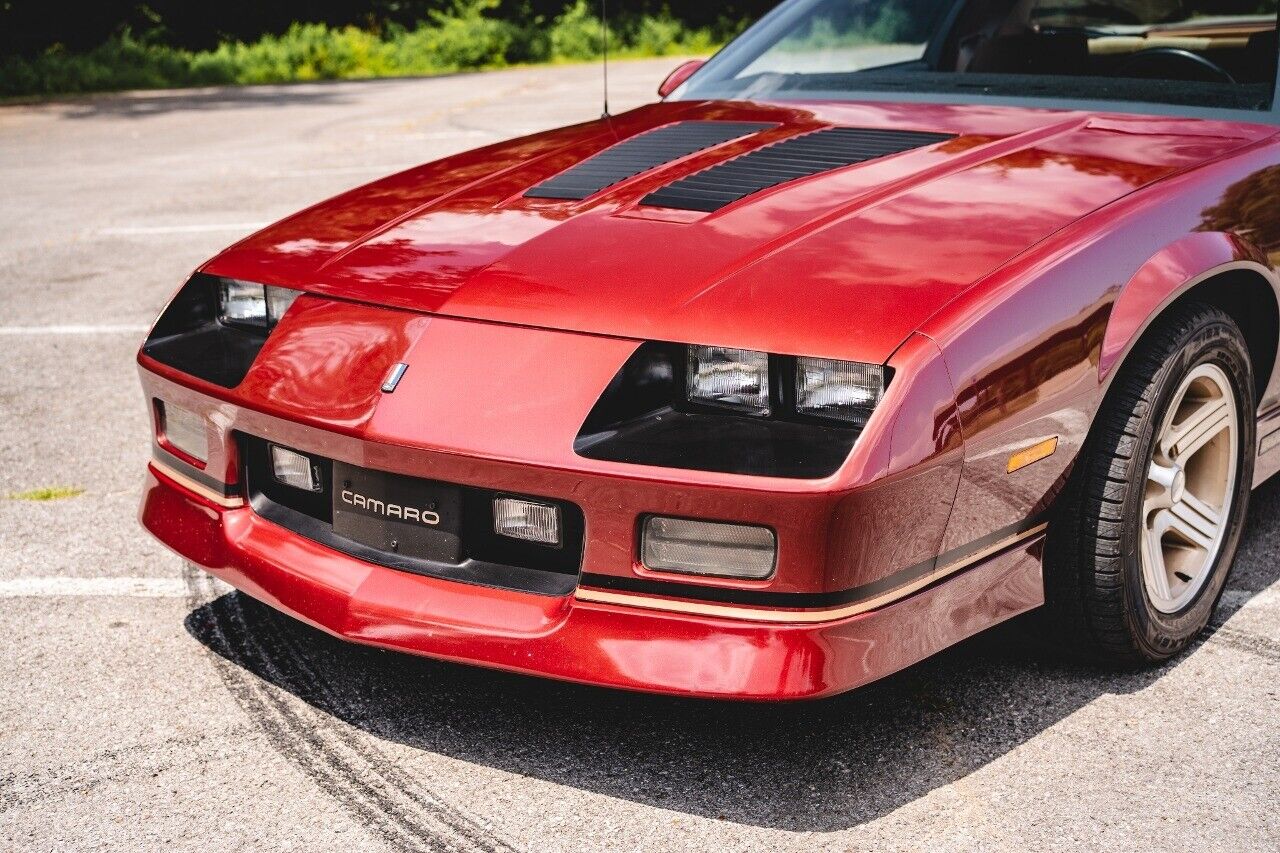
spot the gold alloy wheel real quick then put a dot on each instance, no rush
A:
(1190, 488)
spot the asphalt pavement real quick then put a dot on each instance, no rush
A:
(146, 706)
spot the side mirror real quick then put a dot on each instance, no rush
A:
(675, 78)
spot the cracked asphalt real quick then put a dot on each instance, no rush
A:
(143, 705)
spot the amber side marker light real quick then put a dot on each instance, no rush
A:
(1033, 454)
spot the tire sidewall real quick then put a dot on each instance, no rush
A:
(1217, 342)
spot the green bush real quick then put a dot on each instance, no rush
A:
(463, 37)
(576, 33)
(467, 35)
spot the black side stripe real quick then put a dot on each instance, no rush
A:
(191, 472)
(812, 600)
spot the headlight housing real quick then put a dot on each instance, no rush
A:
(712, 408)
(215, 327)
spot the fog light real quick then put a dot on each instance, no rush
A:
(532, 522)
(708, 548)
(185, 431)
(294, 469)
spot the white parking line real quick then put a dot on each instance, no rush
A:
(430, 135)
(94, 588)
(145, 230)
(121, 329)
(384, 169)
(37, 331)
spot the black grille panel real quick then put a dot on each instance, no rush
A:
(486, 559)
(640, 154)
(788, 160)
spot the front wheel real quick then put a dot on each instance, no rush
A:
(1147, 529)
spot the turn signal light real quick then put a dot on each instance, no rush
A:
(185, 431)
(708, 548)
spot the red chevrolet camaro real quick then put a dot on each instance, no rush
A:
(894, 320)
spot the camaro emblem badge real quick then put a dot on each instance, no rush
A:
(393, 378)
(407, 513)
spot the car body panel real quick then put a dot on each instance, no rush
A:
(1015, 389)
(454, 418)
(565, 638)
(882, 244)
(1003, 276)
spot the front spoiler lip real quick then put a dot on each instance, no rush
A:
(577, 640)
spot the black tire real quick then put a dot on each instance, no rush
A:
(1096, 601)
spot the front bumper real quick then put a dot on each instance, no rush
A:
(576, 640)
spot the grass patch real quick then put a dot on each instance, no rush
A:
(51, 493)
(466, 36)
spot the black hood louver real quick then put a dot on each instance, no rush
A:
(789, 160)
(640, 154)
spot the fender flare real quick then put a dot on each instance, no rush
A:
(1165, 278)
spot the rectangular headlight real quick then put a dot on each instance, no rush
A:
(244, 303)
(527, 520)
(708, 548)
(294, 469)
(842, 390)
(185, 431)
(731, 378)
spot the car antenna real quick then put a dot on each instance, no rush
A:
(604, 41)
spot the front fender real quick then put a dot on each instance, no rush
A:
(1166, 277)
(1032, 347)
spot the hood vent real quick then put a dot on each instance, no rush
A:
(789, 160)
(640, 154)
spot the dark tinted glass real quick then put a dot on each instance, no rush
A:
(1217, 55)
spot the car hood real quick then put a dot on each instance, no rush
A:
(843, 264)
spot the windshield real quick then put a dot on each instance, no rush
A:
(1219, 55)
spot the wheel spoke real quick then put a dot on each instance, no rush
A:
(1190, 525)
(1211, 515)
(1153, 562)
(1196, 430)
